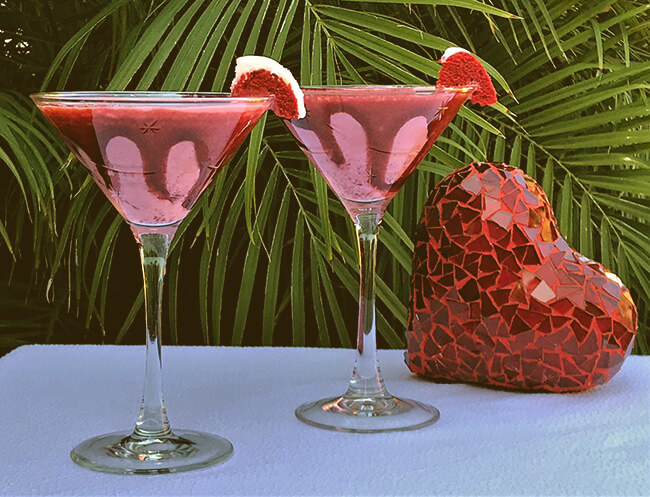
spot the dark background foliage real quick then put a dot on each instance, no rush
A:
(267, 256)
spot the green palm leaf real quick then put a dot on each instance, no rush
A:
(573, 83)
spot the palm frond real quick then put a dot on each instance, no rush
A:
(267, 255)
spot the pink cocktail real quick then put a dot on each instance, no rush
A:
(366, 141)
(152, 154)
(153, 161)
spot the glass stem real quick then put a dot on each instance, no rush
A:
(152, 421)
(366, 381)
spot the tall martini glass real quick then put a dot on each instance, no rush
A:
(366, 141)
(152, 154)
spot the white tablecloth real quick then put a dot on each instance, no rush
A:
(487, 442)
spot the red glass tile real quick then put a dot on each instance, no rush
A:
(486, 282)
(518, 325)
(467, 214)
(487, 307)
(603, 360)
(472, 184)
(545, 248)
(609, 304)
(551, 359)
(452, 295)
(556, 258)
(441, 317)
(509, 186)
(512, 363)
(480, 244)
(531, 233)
(518, 294)
(496, 367)
(470, 292)
(566, 290)
(578, 299)
(530, 198)
(583, 317)
(562, 246)
(613, 289)
(531, 258)
(501, 347)
(628, 349)
(490, 206)
(559, 321)
(561, 306)
(510, 200)
(585, 362)
(570, 345)
(460, 274)
(495, 231)
(521, 219)
(454, 225)
(520, 253)
(530, 317)
(438, 290)
(506, 277)
(570, 368)
(459, 310)
(441, 338)
(593, 310)
(511, 263)
(505, 241)
(565, 279)
(470, 326)
(449, 353)
(483, 336)
(579, 331)
(545, 325)
(528, 368)
(518, 236)
(591, 295)
(488, 264)
(520, 207)
(508, 311)
(447, 280)
(547, 272)
(474, 228)
(490, 176)
(459, 195)
(492, 325)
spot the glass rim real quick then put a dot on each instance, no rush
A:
(131, 97)
(396, 88)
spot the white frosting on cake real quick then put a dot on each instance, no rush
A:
(452, 51)
(255, 63)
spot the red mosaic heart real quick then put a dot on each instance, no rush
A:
(498, 296)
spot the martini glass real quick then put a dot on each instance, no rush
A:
(366, 141)
(152, 154)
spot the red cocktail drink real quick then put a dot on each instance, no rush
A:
(152, 154)
(366, 141)
(153, 161)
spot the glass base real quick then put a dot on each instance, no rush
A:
(127, 453)
(367, 415)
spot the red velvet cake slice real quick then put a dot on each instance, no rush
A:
(461, 68)
(260, 76)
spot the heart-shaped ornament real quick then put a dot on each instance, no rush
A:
(499, 297)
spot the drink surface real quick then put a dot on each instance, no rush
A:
(366, 141)
(152, 161)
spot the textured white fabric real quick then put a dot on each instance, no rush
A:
(487, 442)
